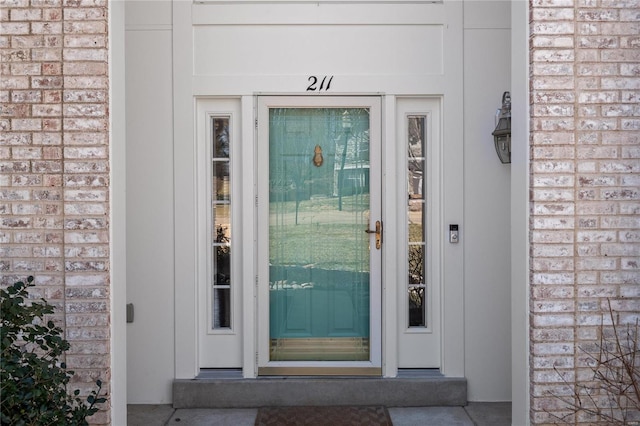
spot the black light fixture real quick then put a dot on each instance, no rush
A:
(502, 133)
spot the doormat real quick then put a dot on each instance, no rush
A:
(323, 416)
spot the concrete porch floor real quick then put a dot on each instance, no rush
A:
(473, 414)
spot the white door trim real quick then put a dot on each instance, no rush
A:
(420, 347)
(188, 85)
(218, 348)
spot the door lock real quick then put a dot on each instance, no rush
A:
(378, 232)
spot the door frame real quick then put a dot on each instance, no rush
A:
(425, 341)
(218, 348)
(190, 84)
(373, 367)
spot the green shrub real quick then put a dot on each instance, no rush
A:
(33, 381)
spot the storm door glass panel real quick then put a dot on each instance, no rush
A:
(318, 250)
(417, 287)
(221, 213)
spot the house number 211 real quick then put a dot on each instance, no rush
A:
(325, 83)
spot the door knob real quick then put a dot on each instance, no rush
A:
(378, 232)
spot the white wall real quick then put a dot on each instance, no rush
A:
(118, 198)
(487, 204)
(151, 359)
(520, 213)
(150, 277)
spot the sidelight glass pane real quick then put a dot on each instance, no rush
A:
(416, 264)
(221, 223)
(416, 157)
(221, 137)
(222, 265)
(416, 133)
(416, 306)
(416, 221)
(221, 181)
(221, 308)
(416, 216)
(318, 250)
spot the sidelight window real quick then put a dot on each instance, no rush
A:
(416, 285)
(221, 217)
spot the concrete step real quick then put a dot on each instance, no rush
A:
(289, 391)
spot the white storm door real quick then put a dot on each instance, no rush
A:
(219, 231)
(420, 242)
(319, 235)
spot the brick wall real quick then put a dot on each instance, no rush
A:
(585, 200)
(54, 163)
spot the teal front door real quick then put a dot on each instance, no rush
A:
(321, 280)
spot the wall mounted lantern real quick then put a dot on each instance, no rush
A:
(502, 133)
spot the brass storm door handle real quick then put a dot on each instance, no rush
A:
(378, 232)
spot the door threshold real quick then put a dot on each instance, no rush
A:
(406, 373)
(320, 371)
(219, 373)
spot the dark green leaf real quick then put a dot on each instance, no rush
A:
(34, 383)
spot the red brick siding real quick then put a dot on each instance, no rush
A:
(585, 197)
(54, 165)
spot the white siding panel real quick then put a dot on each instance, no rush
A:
(147, 14)
(318, 50)
(150, 342)
(487, 214)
